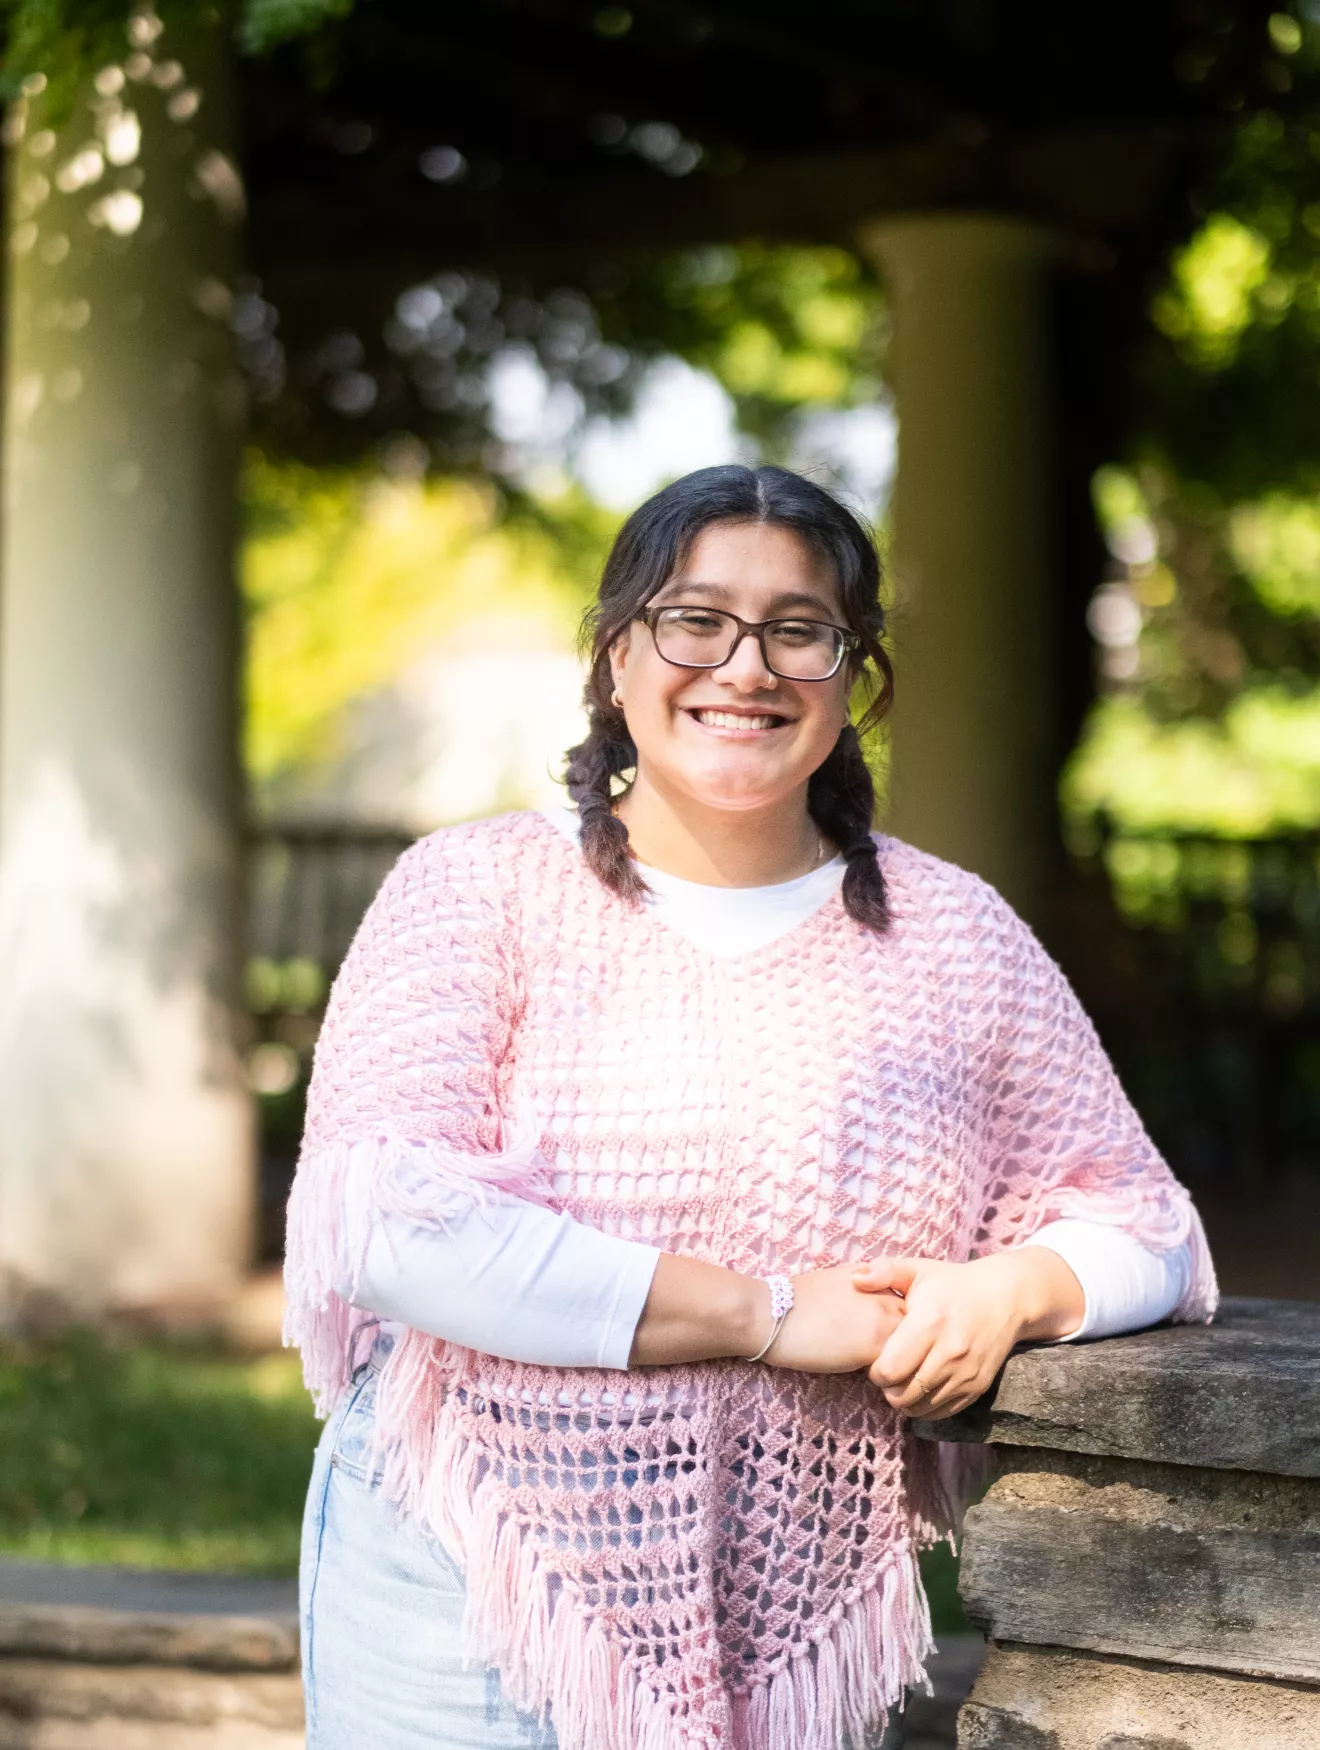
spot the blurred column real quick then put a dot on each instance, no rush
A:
(126, 1173)
(972, 775)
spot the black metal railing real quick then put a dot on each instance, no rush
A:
(307, 889)
(1220, 1044)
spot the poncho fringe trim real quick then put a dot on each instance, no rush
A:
(555, 1658)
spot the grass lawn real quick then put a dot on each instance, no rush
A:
(178, 1455)
(166, 1454)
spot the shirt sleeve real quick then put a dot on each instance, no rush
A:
(504, 1276)
(1127, 1286)
(1060, 1140)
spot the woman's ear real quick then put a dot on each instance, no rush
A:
(619, 655)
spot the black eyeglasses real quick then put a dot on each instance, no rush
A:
(793, 649)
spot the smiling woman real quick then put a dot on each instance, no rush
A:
(742, 709)
(663, 1158)
(748, 710)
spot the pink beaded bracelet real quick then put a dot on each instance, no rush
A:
(781, 1304)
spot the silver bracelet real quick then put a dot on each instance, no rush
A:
(781, 1304)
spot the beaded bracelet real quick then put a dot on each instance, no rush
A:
(781, 1304)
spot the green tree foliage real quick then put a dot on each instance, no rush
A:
(61, 42)
(1230, 393)
(784, 330)
(348, 575)
(1217, 728)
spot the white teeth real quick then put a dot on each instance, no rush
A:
(734, 720)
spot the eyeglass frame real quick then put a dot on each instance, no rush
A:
(753, 628)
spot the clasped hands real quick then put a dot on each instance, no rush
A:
(930, 1335)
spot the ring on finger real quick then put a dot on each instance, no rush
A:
(921, 1385)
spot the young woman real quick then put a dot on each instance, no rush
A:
(663, 1158)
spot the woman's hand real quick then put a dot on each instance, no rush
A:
(832, 1328)
(961, 1321)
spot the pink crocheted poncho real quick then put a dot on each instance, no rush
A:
(718, 1556)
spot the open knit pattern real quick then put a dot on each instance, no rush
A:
(717, 1556)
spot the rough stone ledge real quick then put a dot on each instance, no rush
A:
(115, 1734)
(36, 1690)
(97, 1636)
(1181, 1497)
(1241, 1394)
(1052, 1698)
(1214, 1569)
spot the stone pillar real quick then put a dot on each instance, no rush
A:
(125, 1131)
(1145, 1563)
(972, 776)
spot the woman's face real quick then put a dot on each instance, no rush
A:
(737, 736)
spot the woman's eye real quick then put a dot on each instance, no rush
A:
(704, 625)
(795, 632)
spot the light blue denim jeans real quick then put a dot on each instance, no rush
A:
(382, 1612)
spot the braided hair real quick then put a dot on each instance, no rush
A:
(649, 548)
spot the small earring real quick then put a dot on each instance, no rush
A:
(616, 700)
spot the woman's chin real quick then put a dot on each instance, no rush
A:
(740, 791)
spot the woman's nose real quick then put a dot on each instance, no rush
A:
(746, 666)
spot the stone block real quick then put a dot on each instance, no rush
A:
(100, 1636)
(1219, 1569)
(1241, 1394)
(51, 1704)
(1051, 1698)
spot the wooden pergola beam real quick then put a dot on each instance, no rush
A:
(1107, 182)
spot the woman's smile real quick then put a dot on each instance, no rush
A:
(737, 722)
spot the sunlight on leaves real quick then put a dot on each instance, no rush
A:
(1214, 291)
(1276, 541)
(348, 578)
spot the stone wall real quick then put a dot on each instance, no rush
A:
(1147, 1562)
(183, 1662)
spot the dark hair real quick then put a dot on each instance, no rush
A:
(650, 546)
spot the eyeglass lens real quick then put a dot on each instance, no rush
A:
(801, 650)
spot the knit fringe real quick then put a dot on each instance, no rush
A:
(1201, 1301)
(316, 1321)
(941, 1480)
(555, 1658)
(871, 1656)
(423, 1182)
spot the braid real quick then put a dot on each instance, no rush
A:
(607, 752)
(841, 801)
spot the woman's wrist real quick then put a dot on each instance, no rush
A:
(1050, 1301)
(781, 1304)
(750, 1317)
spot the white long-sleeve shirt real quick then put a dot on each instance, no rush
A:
(514, 1279)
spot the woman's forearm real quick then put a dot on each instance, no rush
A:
(699, 1312)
